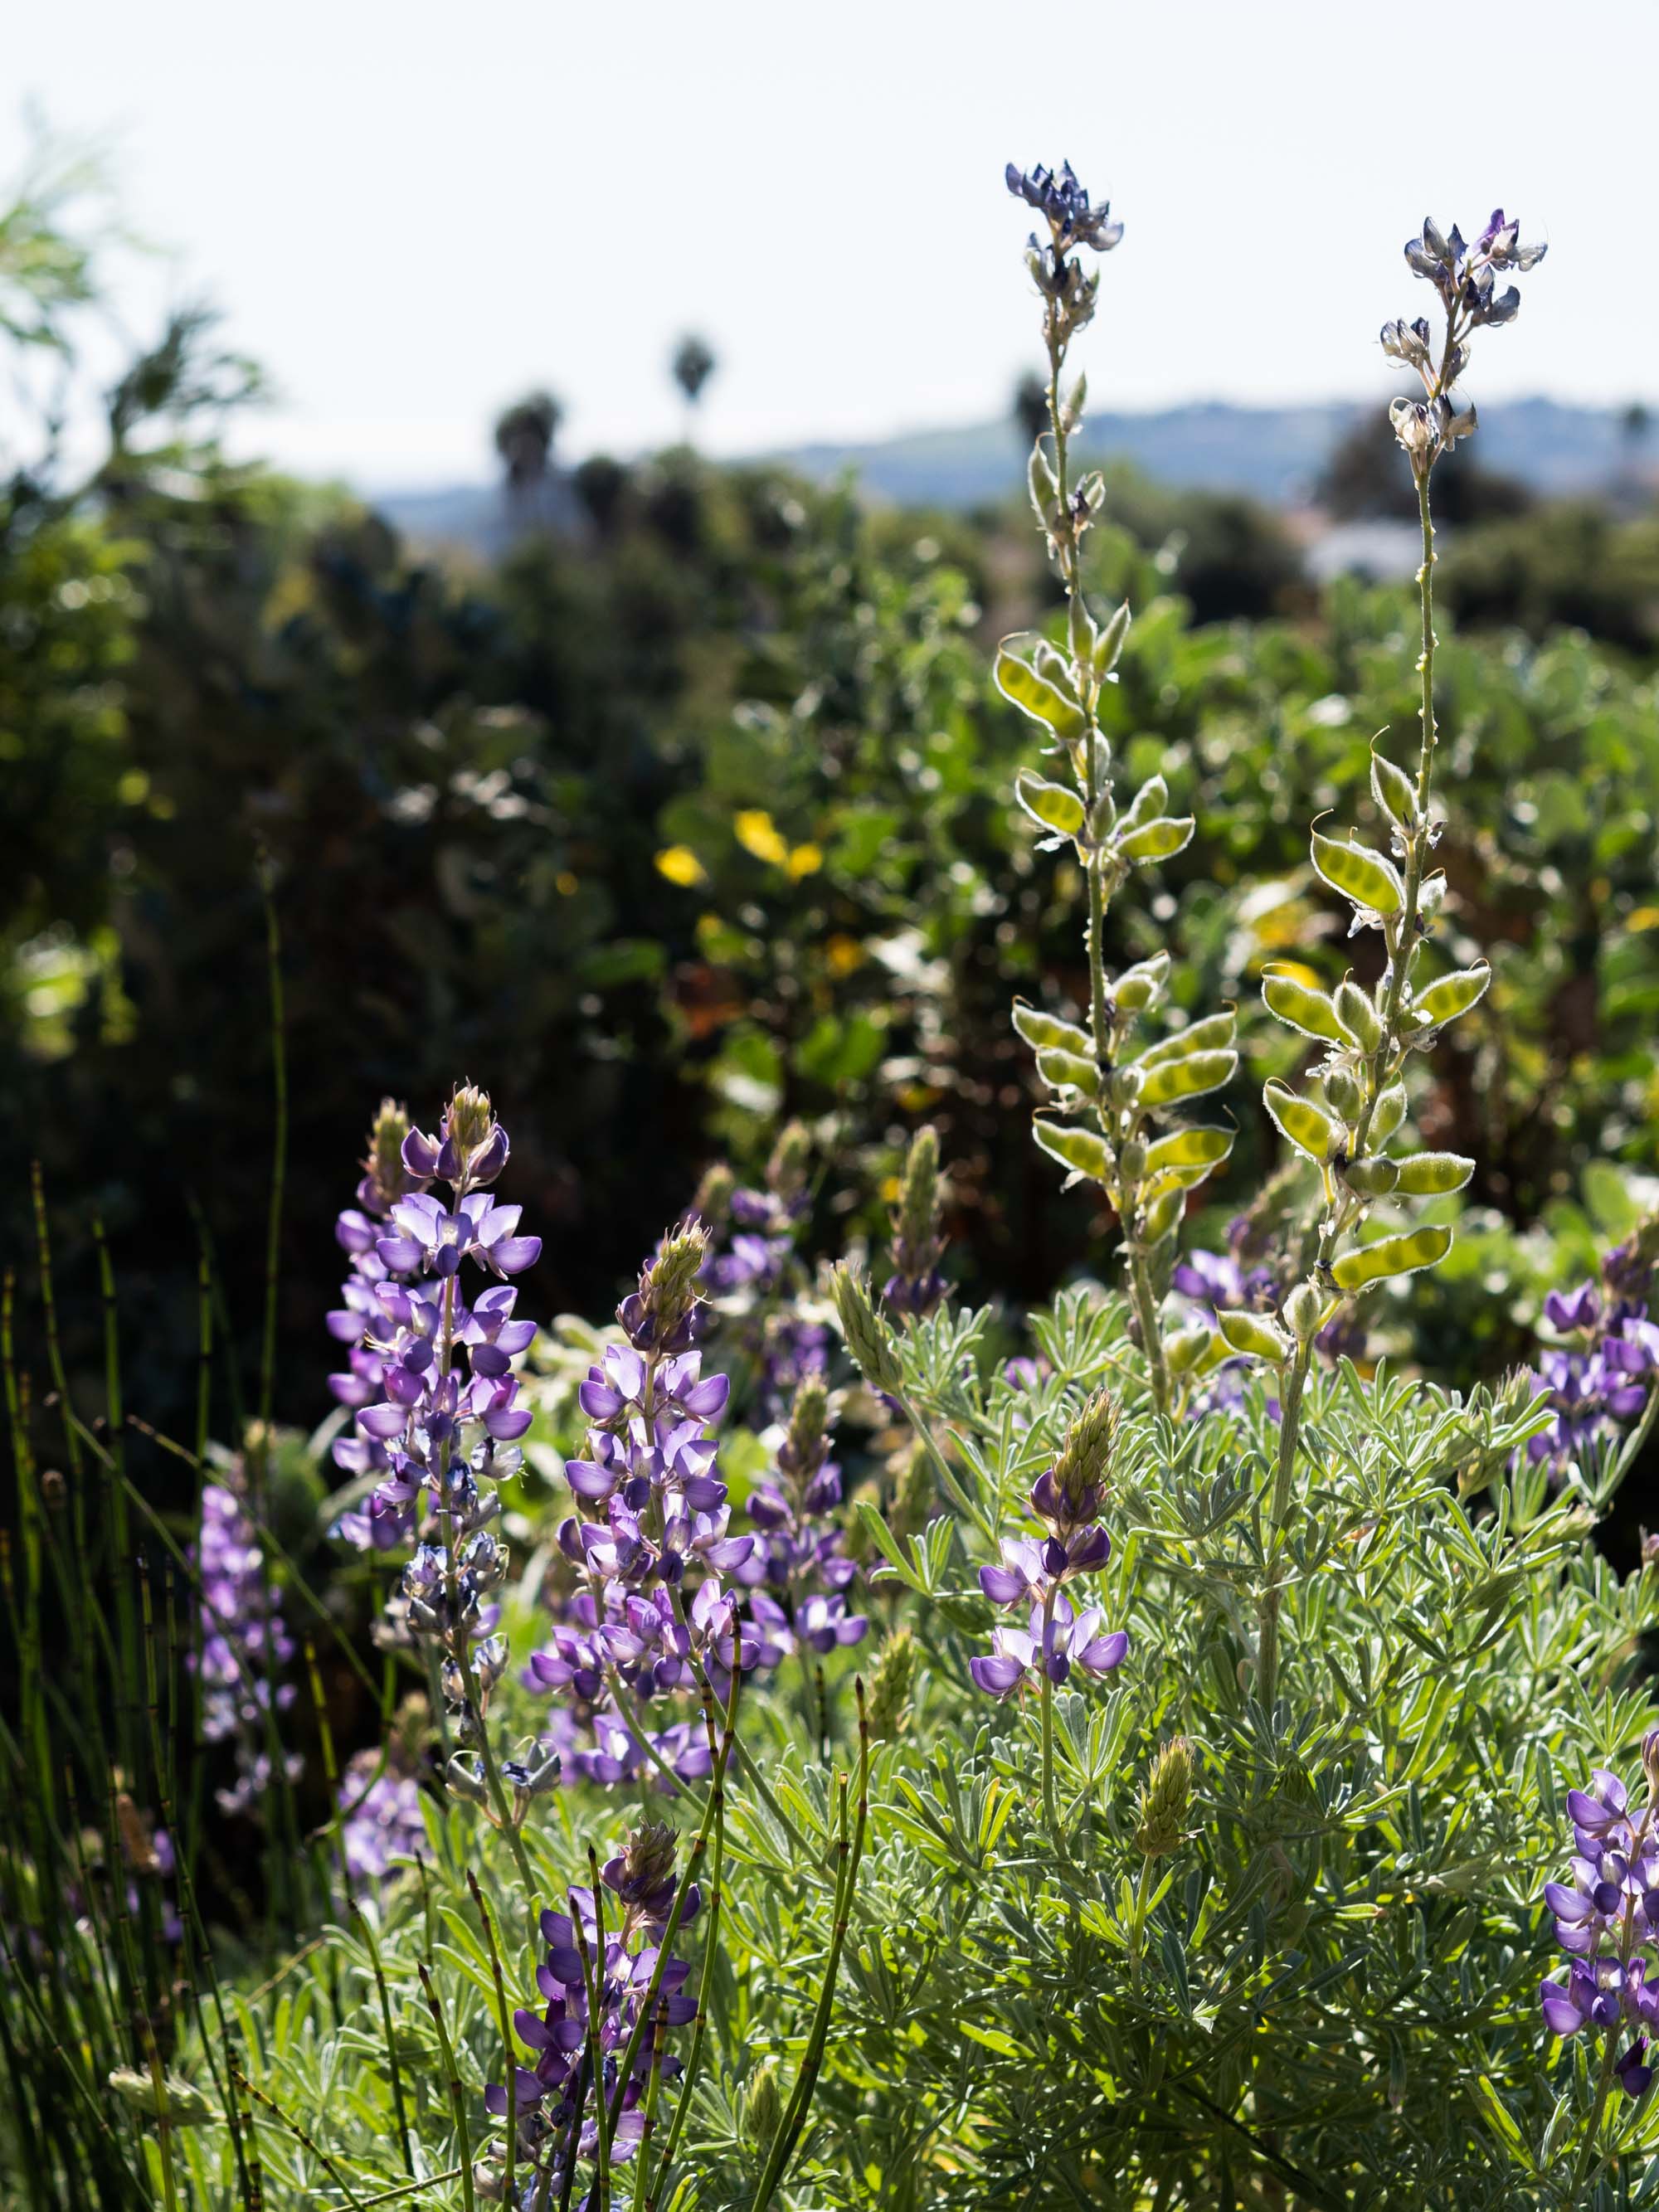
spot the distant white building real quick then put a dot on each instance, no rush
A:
(1379, 551)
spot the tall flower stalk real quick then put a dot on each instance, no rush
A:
(1367, 1034)
(1123, 1097)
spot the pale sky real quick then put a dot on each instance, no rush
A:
(412, 211)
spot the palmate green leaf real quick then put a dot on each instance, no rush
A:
(1081, 1150)
(1033, 694)
(1367, 878)
(1189, 1077)
(1392, 1255)
(1054, 805)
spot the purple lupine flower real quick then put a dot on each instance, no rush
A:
(1062, 203)
(435, 1397)
(244, 1643)
(1034, 1568)
(1607, 1919)
(551, 2092)
(652, 1614)
(1598, 1380)
(385, 1820)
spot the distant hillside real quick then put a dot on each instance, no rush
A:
(1273, 452)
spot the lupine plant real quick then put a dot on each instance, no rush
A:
(1173, 1790)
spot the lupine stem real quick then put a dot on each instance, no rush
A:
(1338, 1217)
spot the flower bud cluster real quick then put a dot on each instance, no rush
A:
(799, 1572)
(1607, 1919)
(915, 1285)
(1465, 276)
(432, 1387)
(1036, 1571)
(752, 1267)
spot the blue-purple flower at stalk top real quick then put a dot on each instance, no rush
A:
(1064, 205)
(663, 1606)
(798, 1572)
(1465, 276)
(1607, 1919)
(916, 1287)
(556, 2099)
(244, 1643)
(433, 1394)
(1051, 1637)
(1600, 1374)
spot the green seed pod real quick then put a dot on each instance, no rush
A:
(1182, 1351)
(1344, 1093)
(1300, 1007)
(1048, 1030)
(1395, 791)
(1080, 1150)
(1366, 877)
(1109, 643)
(1148, 803)
(1310, 1131)
(1186, 1078)
(1390, 1113)
(1255, 1335)
(1371, 1178)
(1164, 1800)
(1158, 840)
(1433, 1175)
(1080, 631)
(868, 1337)
(1040, 481)
(1035, 694)
(1391, 1256)
(1305, 1310)
(1052, 805)
(1357, 1016)
(1141, 985)
(1452, 995)
(1187, 1153)
(1068, 1070)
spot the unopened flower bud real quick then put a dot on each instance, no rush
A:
(1343, 1094)
(762, 2107)
(1132, 1159)
(892, 1681)
(1303, 1311)
(787, 1169)
(1164, 1800)
(916, 1286)
(713, 1201)
(867, 1338)
(1086, 1456)
(183, 2103)
(386, 1176)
